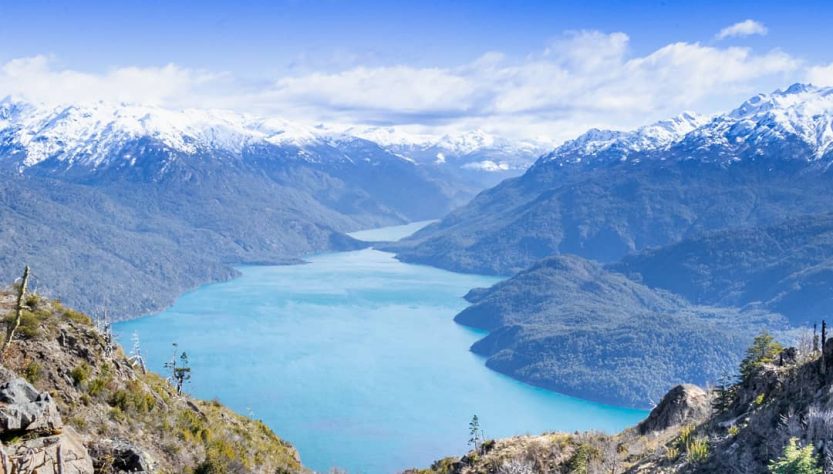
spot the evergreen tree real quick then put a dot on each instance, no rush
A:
(764, 350)
(796, 460)
(725, 393)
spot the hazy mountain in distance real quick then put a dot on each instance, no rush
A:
(607, 193)
(132, 204)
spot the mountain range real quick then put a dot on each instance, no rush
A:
(650, 258)
(126, 206)
(607, 194)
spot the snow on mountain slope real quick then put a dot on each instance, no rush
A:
(801, 113)
(94, 134)
(657, 136)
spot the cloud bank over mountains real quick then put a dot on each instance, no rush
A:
(580, 80)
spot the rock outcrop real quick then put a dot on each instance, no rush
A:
(739, 428)
(682, 404)
(48, 447)
(71, 402)
(24, 409)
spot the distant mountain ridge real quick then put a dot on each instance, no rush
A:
(658, 317)
(98, 134)
(126, 206)
(607, 194)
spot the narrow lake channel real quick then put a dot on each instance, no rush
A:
(356, 360)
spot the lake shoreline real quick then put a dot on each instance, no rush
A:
(318, 351)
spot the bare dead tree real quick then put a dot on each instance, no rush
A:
(21, 295)
(136, 353)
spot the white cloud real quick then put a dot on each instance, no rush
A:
(584, 79)
(36, 78)
(743, 28)
(820, 75)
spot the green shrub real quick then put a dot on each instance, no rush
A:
(759, 400)
(97, 386)
(672, 453)
(80, 373)
(33, 372)
(77, 317)
(734, 430)
(32, 322)
(685, 434)
(132, 400)
(33, 300)
(580, 462)
(697, 449)
(796, 460)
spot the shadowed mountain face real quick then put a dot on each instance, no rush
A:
(711, 230)
(570, 325)
(787, 268)
(126, 207)
(608, 194)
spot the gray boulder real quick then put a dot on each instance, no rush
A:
(24, 409)
(682, 404)
(60, 454)
(121, 457)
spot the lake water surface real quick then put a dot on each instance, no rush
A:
(356, 360)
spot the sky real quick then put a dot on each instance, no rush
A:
(527, 70)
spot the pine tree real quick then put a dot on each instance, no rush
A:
(763, 350)
(725, 393)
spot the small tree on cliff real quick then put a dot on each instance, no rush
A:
(475, 433)
(725, 393)
(796, 460)
(180, 371)
(764, 349)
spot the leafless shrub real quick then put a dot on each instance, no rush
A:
(819, 422)
(805, 345)
(517, 466)
(791, 425)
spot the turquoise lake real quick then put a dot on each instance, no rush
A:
(356, 360)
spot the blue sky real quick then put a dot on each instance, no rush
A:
(526, 69)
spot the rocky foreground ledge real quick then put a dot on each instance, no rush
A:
(777, 418)
(71, 402)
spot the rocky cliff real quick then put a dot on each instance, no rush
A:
(780, 413)
(72, 402)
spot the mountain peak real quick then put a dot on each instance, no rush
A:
(618, 145)
(801, 114)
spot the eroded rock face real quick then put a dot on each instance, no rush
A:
(24, 409)
(60, 454)
(122, 457)
(682, 404)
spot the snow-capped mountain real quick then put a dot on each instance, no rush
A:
(99, 134)
(96, 134)
(799, 115)
(474, 150)
(620, 145)
(796, 122)
(608, 193)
